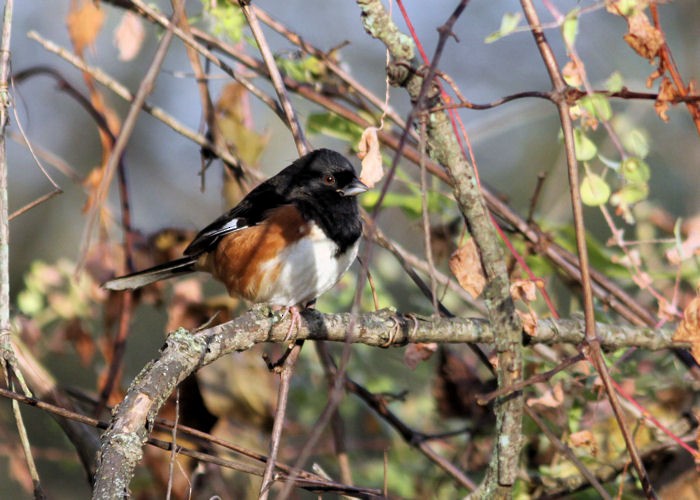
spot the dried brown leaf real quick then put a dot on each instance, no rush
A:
(689, 328)
(584, 439)
(129, 36)
(529, 321)
(82, 341)
(525, 290)
(667, 93)
(572, 73)
(553, 398)
(465, 264)
(417, 353)
(371, 156)
(642, 36)
(84, 23)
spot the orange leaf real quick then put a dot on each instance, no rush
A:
(689, 328)
(371, 156)
(129, 36)
(84, 22)
(465, 264)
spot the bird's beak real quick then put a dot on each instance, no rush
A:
(353, 189)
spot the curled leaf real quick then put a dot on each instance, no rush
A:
(465, 264)
(553, 398)
(689, 328)
(645, 39)
(371, 156)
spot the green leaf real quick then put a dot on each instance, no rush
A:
(30, 302)
(634, 193)
(585, 148)
(636, 142)
(569, 29)
(335, 126)
(597, 105)
(614, 83)
(594, 190)
(635, 170)
(509, 22)
(228, 19)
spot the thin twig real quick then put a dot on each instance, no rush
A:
(8, 360)
(286, 372)
(145, 88)
(568, 452)
(276, 79)
(307, 480)
(35, 203)
(593, 343)
(121, 91)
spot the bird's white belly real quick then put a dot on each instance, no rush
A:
(309, 268)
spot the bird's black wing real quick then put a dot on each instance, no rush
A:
(249, 212)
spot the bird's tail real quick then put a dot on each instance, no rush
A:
(153, 274)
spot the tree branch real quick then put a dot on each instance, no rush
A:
(185, 352)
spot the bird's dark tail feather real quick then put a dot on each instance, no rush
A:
(153, 274)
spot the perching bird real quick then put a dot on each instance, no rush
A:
(286, 243)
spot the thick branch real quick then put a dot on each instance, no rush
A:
(185, 353)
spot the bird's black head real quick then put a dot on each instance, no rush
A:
(325, 176)
(323, 185)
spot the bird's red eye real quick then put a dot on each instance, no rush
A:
(329, 179)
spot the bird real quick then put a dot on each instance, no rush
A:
(287, 242)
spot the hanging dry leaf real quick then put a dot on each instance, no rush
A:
(644, 38)
(465, 264)
(667, 93)
(84, 23)
(525, 290)
(129, 36)
(553, 398)
(584, 439)
(371, 156)
(528, 321)
(689, 328)
(418, 352)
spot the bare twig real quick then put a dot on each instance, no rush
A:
(276, 79)
(7, 355)
(121, 91)
(565, 450)
(592, 341)
(286, 372)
